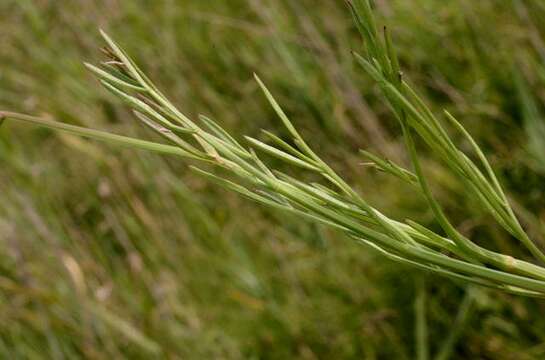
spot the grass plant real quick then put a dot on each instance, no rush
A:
(111, 253)
(335, 203)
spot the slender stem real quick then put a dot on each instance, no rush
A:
(462, 316)
(421, 324)
(502, 261)
(97, 135)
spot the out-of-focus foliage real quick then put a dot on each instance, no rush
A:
(108, 253)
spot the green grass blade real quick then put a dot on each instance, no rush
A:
(98, 135)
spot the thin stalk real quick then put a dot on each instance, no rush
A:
(99, 135)
(421, 323)
(457, 327)
(474, 251)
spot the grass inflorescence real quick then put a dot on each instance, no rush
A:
(109, 252)
(333, 202)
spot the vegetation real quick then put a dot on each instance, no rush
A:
(340, 207)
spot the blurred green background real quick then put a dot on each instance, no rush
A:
(110, 253)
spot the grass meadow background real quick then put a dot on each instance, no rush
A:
(110, 253)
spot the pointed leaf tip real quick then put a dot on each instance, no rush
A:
(259, 81)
